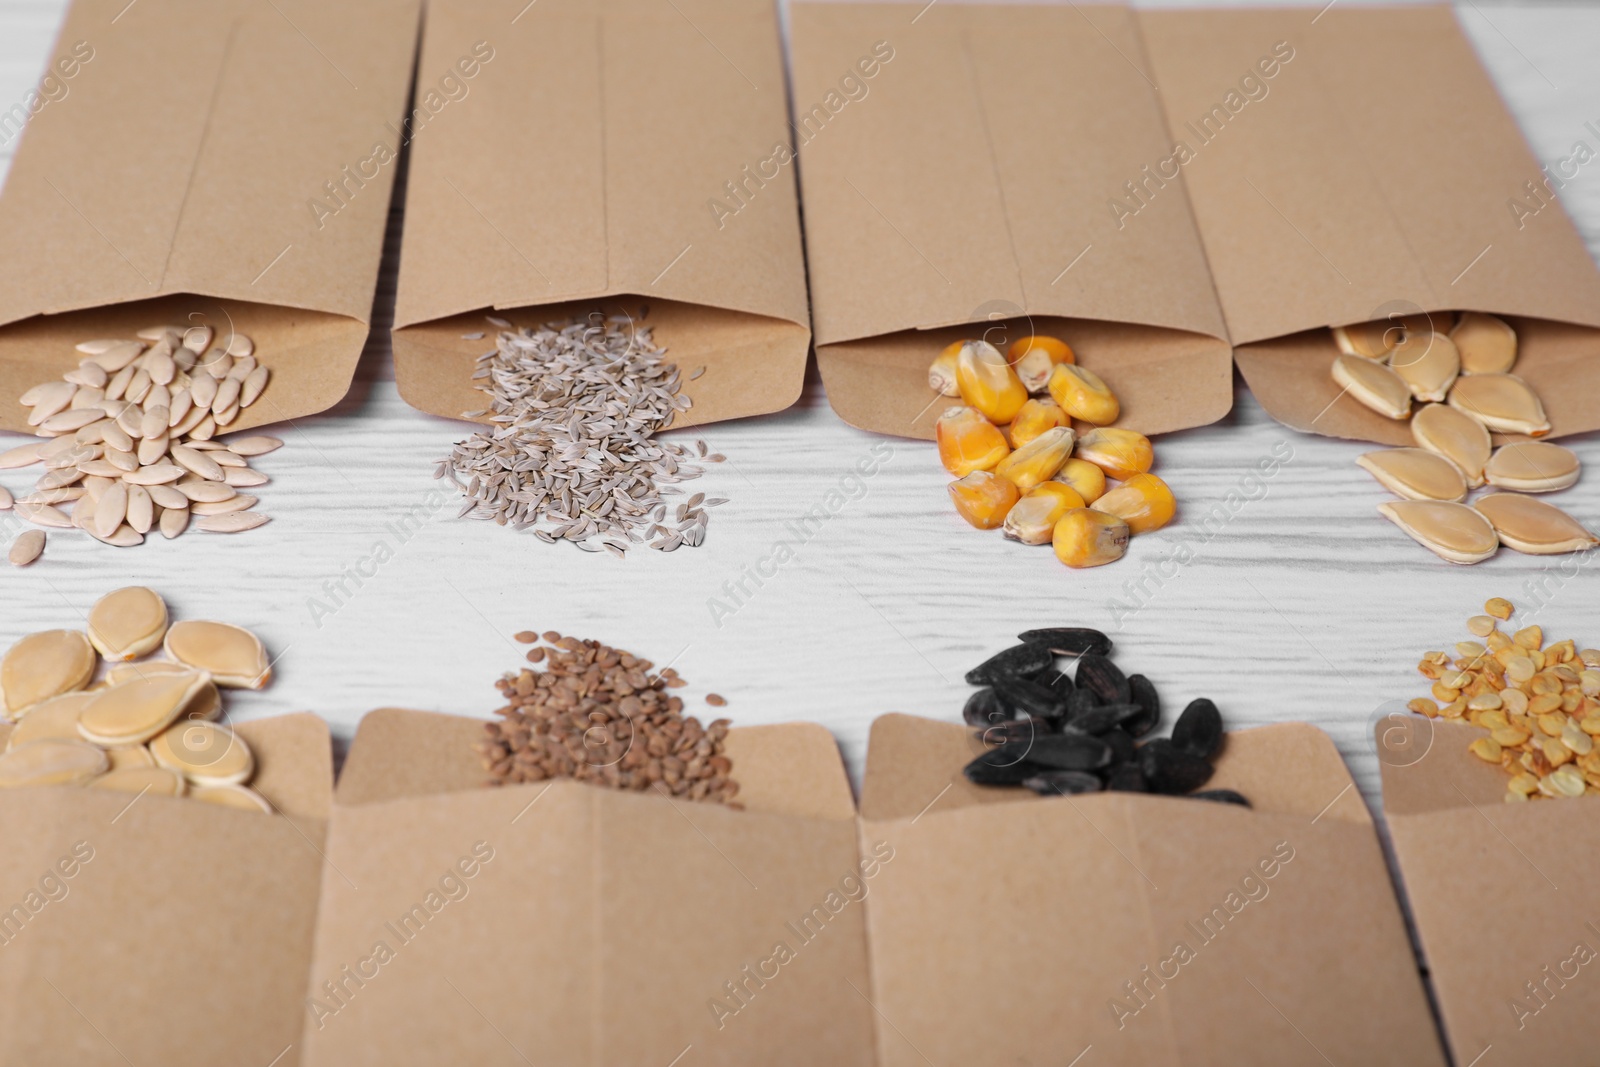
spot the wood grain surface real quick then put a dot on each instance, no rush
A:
(1300, 603)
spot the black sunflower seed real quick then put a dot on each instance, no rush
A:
(1221, 796)
(1102, 677)
(1006, 765)
(1067, 752)
(1105, 717)
(1198, 730)
(1144, 695)
(1018, 661)
(1123, 749)
(1029, 699)
(1068, 640)
(985, 708)
(1054, 680)
(1015, 730)
(1171, 770)
(1127, 778)
(1079, 703)
(1064, 783)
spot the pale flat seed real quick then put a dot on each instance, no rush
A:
(156, 421)
(44, 515)
(74, 456)
(135, 711)
(1488, 345)
(118, 385)
(1532, 467)
(156, 333)
(110, 510)
(224, 456)
(174, 521)
(101, 468)
(88, 373)
(160, 366)
(197, 338)
(151, 449)
(44, 665)
(83, 511)
(21, 456)
(138, 386)
(258, 445)
(141, 509)
(186, 426)
(167, 496)
(240, 345)
(118, 356)
(242, 368)
(1456, 436)
(51, 763)
(55, 719)
(238, 502)
(204, 491)
(6, 499)
(95, 432)
(1427, 362)
(59, 477)
(116, 437)
(181, 403)
(253, 385)
(1415, 473)
(233, 656)
(1453, 532)
(204, 430)
(71, 420)
(131, 421)
(87, 396)
(244, 477)
(1501, 402)
(64, 495)
(156, 474)
(236, 522)
(204, 753)
(124, 537)
(124, 462)
(203, 390)
(1534, 526)
(1373, 385)
(49, 399)
(28, 547)
(226, 416)
(94, 348)
(128, 623)
(198, 462)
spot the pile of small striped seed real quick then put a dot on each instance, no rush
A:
(131, 444)
(599, 715)
(575, 406)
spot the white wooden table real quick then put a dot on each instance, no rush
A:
(1306, 606)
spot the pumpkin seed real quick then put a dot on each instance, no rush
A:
(204, 753)
(135, 711)
(28, 547)
(174, 521)
(1488, 345)
(44, 665)
(1453, 532)
(1457, 437)
(254, 446)
(1501, 402)
(1532, 467)
(55, 719)
(51, 763)
(1415, 473)
(1530, 525)
(1369, 340)
(236, 522)
(128, 623)
(232, 656)
(21, 456)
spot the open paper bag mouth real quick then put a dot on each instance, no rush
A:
(731, 364)
(311, 355)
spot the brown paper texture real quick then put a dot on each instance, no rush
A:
(580, 172)
(183, 934)
(1007, 925)
(1374, 176)
(597, 927)
(1525, 987)
(183, 193)
(970, 184)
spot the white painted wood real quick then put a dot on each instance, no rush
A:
(1306, 605)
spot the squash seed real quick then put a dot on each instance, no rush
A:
(203, 491)
(44, 665)
(1532, 467)
(237, 502)
(141, 510)
(231, 796)
(258, 445)
(136, 711)
(236, 522)
(1453, 532)
(204, 753)
(51, 763)
(1416, 474)
(174, 521)
(55, 719)
(128, 623)
(1373, 385)
(234, 657)
(1530, 525)
(1501, 402)
(28, 547)
(157, 781)
(1456, 436)
(1369, 340)
(1488, 345)
(110, 510)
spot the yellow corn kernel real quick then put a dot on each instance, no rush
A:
(1038, 460)
(968, 442)
(988, 383)
(942, 373)
(1086, 538)
(1083, 395)
(984, 498)
(1036, 416)
(1143, 502)
(1085, 477)
(1033, 520)
(1120, 453)
(1036, 357)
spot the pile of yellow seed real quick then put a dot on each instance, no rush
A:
(1540, 704)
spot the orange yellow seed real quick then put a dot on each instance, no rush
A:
(1120, 453)
(1085, 477)
(1038, 460)
(968, 442)
(1036, 416)
(1088, 538)
(1033, 520)
(942, 372)
(1036, 357)
(1143, 501)
(988, 383)
(1083, 395)
(984, 498)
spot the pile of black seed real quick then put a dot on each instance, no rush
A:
(1057, 734)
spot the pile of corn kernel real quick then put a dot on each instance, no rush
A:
(1019, 465)
(1540, 704)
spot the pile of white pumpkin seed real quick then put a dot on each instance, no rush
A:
(131, 440)
(1539, 702)
(575, 406)
(1459, 368)
(89, 710)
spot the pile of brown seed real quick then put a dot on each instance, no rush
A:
(575, 406)
(131, 444)
(1540, 704)
(598, 714)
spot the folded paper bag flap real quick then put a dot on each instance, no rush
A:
(151, 902)
(789, 768)
(631, 120)
(1285, 768)
(205, 183)
(1308, 223)
(940, 198)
